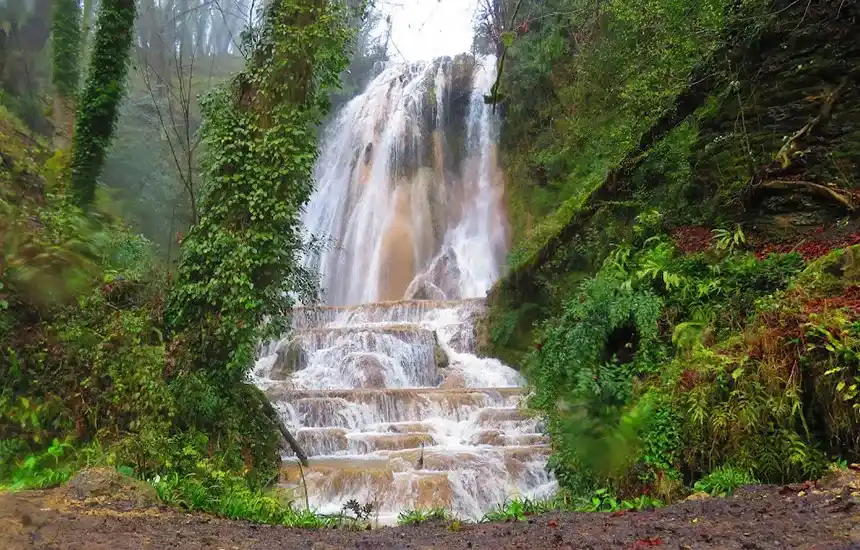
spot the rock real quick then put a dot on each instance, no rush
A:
(369, 371)
(290, 358)
(464, 340)
(422, 289)
(453, 380)
(442, 360)
(698, 495)
(839, 479)
(108, 486)
(837, 269)
(488, 437)
(441, 280)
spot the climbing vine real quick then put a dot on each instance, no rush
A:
(66, 40)
(240, 263)
(99, 102)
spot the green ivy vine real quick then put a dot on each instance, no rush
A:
(240, 262)
(65, 45)
(99, 103)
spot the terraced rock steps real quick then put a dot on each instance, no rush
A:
(360, 388)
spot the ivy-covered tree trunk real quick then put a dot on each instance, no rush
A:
(241, 260)
(99, 103)
(65, 49)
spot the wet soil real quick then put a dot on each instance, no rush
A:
(806, 516)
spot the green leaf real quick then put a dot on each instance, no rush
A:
(508, 38)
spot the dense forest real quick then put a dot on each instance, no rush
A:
(681, 185)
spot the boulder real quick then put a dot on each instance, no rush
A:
(369, 371)
(442, 360)
(290, 358)
(440, 281)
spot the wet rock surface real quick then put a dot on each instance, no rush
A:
(816, 515)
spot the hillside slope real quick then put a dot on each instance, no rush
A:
(666, 213)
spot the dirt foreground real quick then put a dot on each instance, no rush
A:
(817, 515)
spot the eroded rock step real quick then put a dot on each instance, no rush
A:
(333, 441)
(447, 477)
(358, 408)
(402, 311)
(379, 356)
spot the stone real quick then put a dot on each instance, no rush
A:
(422, 289)
(442, 360)
(453, 380)
(833, 271)
(440, 281)
(290, 358)
(370, 372)
(838, 479)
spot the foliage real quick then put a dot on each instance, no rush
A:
(419, 516)
(65, 46)
(724, 480)
(518, 509)
(221, 493)
(240, 261)
(86, 353)
(729, 240)
(613, 388)
(99, 101)
(36, 470)
(599, 500)
(604, 338)
(582, 81)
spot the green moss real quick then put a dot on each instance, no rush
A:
(832, 272)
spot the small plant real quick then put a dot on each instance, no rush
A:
(601, 501)
(228, 495)
(45, 469)
(359, 512)
(418, 516)
(724, 480)
(519, 509)
(642, 502)
(728, 240)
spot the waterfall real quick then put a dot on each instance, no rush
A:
(381, 385)
(409, 190)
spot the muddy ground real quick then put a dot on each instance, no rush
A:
(819, 515)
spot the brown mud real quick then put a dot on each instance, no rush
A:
(818, 515)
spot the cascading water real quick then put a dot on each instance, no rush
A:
(382, 386)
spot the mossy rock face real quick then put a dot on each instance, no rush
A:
(442, 361)
(836, 270)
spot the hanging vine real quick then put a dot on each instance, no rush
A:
(240, 262)
(65, 44)
(104, 89)
(65, 48)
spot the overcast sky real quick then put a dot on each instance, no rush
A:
(424, 29)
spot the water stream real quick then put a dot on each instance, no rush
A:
(381, 385)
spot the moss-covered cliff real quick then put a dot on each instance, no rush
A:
(713, 157)
(670, 168)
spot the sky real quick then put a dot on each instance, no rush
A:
(424, 29)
